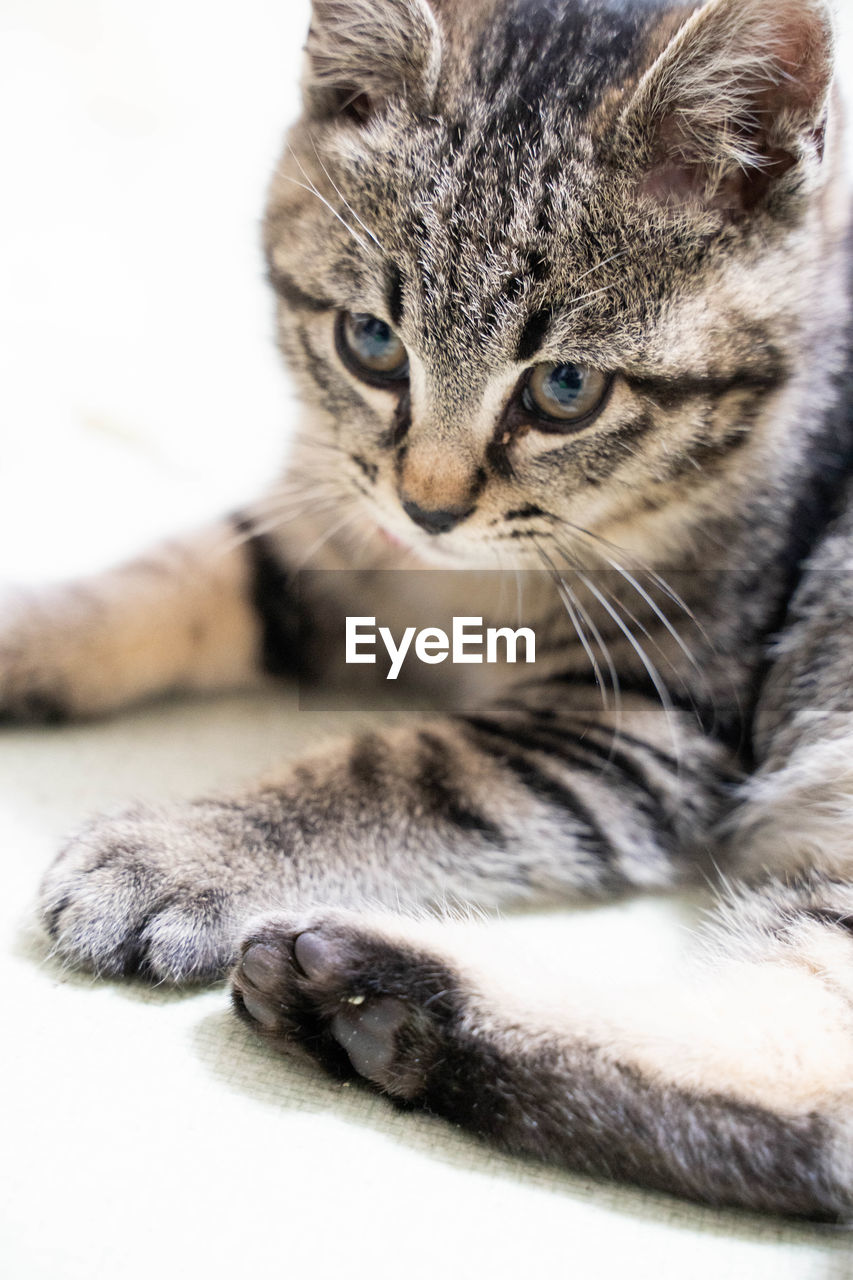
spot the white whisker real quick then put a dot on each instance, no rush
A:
(602, 644)
(327, 537)
(569, 603)
(346, 202)
(308, 186)
(649, 667)
(600, 265)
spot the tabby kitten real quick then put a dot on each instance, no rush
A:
(563, 284)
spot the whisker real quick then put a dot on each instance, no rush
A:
(676, 599)
(650, 668)
(599, 265)
(577, 304)
(294, 501)
(346, 202)
(260, 529)
(658, 612)
(371, 533)
(659, 581)
(602, 644)
(638, 623)
(308, 186)
(569, 603)
(327, 537)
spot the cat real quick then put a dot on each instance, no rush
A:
(564, 287)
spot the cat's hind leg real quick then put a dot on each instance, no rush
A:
(732, 1088)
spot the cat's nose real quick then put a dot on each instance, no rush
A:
(436, 520)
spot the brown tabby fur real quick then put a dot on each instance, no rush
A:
(655, 191)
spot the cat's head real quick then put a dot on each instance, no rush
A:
(549, 267)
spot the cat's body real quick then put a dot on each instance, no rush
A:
(635, 214)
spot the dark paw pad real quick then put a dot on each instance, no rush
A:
(358, 1002)
(368, 1034)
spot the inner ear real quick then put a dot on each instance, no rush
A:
(361, 54)
(675, 180)
(354, 105)
(737, 99)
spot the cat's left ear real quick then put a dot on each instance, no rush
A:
(738, 98)
(361, 53)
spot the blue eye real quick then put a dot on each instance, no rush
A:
(371, 349)
(565, 393)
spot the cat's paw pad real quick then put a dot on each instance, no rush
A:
(358, 1001)
(121, 900)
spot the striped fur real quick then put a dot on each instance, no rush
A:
(655, 190)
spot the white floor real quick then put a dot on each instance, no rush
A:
(143, 1131)
(149, 1132)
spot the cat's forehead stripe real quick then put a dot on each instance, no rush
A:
(567, 54)
(533, 334)
(396, 286)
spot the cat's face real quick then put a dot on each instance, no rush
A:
(524, 313)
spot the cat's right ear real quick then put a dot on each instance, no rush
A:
(362, 53)
(737, 100)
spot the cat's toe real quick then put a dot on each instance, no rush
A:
(365, 1029)
(260, 972)
(317, 955)
(117, 903)
(261, 964)
(359, 1002)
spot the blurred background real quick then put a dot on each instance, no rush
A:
(140, 391)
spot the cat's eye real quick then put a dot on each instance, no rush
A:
(371, 349)
(565, 394)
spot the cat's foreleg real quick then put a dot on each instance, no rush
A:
(183, 617)
(733, 1086)
(797, 809)
(518, 805)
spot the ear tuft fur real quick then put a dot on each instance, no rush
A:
(360, 53)
(738, 98)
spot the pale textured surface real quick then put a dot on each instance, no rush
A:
(146, 1132)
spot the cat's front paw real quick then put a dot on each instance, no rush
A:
(162, 894)
(359, 1001)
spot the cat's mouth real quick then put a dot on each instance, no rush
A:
(437, 552)
(450, 550)
(393, 540)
